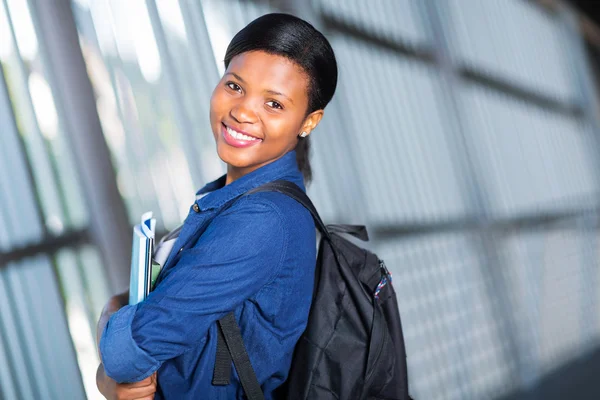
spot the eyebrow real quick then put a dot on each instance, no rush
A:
(280, 94)
(236, 76)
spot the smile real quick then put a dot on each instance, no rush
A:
(238, 139)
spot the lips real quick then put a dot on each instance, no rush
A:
(237, 138)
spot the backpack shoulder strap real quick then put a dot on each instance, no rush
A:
(230, 345)
(231, 336)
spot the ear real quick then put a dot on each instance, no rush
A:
(311, 121)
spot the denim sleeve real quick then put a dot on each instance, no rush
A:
(239, 253)
(122, 358)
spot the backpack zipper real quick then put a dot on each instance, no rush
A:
(385, 269)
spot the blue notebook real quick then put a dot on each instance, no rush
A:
(142, 267)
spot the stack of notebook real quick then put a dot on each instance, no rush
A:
(147, 258)
(144, 270)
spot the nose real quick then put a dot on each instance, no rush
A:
(243, 112)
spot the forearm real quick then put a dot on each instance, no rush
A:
(121, 355)
(102, 381)
(106, 386)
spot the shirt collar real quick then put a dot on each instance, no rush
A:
(216, 193)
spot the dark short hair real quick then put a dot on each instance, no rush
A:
(291, 37)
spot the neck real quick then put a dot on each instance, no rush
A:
(234, 173)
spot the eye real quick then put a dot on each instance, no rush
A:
(234, 86)
(274, 104)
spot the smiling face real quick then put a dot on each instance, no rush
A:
(257, 111)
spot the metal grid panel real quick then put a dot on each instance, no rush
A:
(335, 190)
(8, 389)
(454, 341)
(43, 360)
(80, 316)
(561, 269)
(21, 219)
(147, 110)
(12, 340)
(590, 305)
(40, 199)
(40, 123)
(513, 40)
(36, 332)
(224, 18)
(31, 133)
(193, 61)
(397, 20)
(95, 282)
(531, 160)
(549, 273)
(51, 116)
(397, 134)
(48, 316)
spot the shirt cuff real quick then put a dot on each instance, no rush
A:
(123, 359)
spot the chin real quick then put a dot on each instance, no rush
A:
(238, 158)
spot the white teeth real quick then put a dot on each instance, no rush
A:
(239, 136)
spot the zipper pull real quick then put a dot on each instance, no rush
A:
(386, 277)
(385, 270)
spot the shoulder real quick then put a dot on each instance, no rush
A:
(271, 209)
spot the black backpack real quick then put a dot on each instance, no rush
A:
(353, 347)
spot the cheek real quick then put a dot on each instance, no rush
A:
(217, 104)
(283, 129)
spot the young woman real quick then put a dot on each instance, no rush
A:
(255, 258)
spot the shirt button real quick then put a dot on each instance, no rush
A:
(181, 249)
(196, 207)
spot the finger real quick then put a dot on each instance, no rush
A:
(146, 398)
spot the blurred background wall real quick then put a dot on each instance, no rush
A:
(464, 134)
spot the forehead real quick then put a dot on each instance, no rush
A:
(269, 70)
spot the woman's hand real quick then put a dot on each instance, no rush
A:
(142, 390)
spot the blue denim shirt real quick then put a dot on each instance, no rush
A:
(256, 258)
